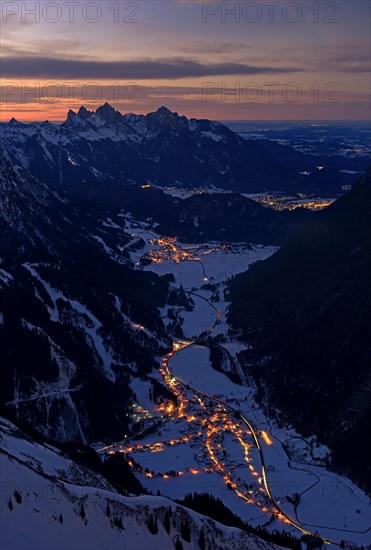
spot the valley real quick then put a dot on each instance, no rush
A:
(185, 267)
(212, 434)
(188, 344)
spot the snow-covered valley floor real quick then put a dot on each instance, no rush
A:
(209, 435)
(201, 446)
(48, 502)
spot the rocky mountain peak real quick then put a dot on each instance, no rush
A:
(164, 118)
(72, 118)
(14, 123)
(83, 113)
(107, 112)
(164, 111)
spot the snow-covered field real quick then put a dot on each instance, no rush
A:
(329, 504)
(192, 366)
(197, 446)
(78, 509)
(201, 319)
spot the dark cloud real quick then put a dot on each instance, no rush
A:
(44, 67)
(349, 56)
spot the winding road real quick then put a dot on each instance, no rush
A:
(280, 513)
(179, 345)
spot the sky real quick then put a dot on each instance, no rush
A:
(230, 60)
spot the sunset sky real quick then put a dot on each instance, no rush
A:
(268, 60)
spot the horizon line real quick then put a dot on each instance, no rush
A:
(217, 120)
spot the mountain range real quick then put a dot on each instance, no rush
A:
(161, 148)
(169, 150)
(81, 328)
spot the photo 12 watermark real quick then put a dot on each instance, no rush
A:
(70, 12)
(68, 92)
(270, 92)
(270, 12)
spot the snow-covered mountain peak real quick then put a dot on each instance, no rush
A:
(106, 145)
(165, 112)
(164, 118)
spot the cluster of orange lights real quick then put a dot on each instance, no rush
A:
(167, 408)
(213, 427)
(169, 251)
(150, 475)
(219, 422)
(236, 429)
(212, 420)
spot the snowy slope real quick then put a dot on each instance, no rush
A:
(43, 494)
(31, 215)
(69, 315)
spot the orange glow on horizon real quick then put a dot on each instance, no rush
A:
(34, 106)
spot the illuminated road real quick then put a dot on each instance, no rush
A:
(280, 514)
(183, 344)
(263, 498)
